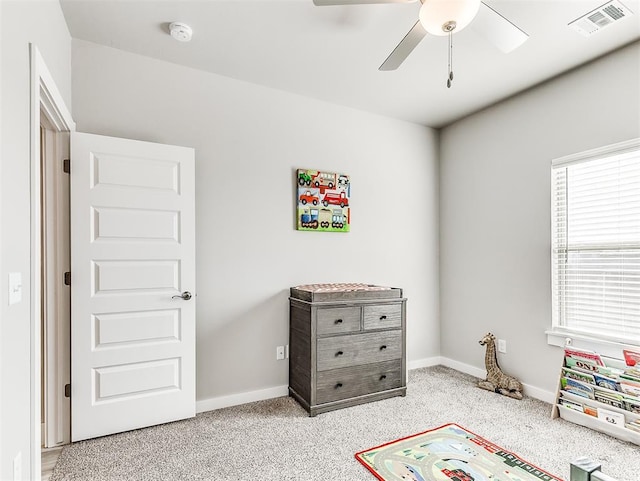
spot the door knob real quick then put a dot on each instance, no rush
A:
(186, 295)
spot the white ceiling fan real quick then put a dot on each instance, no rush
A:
(445, 17)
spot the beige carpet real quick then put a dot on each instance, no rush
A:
(275, 440)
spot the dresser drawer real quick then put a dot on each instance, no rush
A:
(338, 320)
(357, 349)
(357, 381)
(382, 316)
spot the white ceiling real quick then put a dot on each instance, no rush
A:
(333, 53)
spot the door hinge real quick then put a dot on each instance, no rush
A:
(67, 278)
(67, 390)
(66, 166)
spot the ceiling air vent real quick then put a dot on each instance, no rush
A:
(601, 17)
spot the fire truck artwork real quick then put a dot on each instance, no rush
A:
(322, 200)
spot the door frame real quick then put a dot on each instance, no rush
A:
(45, 100)
(56, 301)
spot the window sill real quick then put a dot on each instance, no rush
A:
(582, 341)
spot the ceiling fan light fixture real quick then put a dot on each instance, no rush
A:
(437, 16)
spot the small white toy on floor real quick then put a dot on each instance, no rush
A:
(496, 380)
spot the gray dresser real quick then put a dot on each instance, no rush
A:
(347, 345)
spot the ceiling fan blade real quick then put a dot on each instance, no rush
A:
(404, 48)
(322, 3)
(497, 29)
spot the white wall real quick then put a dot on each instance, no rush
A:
(495, 208)
(2, 272)
(42, 23)
(249, 140)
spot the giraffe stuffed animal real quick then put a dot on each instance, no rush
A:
(496, 380)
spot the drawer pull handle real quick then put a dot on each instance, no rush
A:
(383, 377)
(383, 347)
(382, 318)
(339, 385)
(339, 353)
(338, 321)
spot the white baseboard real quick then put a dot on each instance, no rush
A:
(426, 362)
(211, 404)
(541, 394)
(462, 367)
(279, 391)
(240, 398)
(529, 390)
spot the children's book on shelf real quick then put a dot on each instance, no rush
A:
(630, 387)
(590, 410)
(610, 398)
(577, 387)
(626, 377)
(583, 355)
(585, 366)
(578, 375)
(634, 425)
(632, 373)
(607, 382)
(572, 404)
(611, 417)
(577, 406)
(632, 405)
(631, 357)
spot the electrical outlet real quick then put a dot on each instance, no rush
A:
(502, 346)
(17, 467)
(279, 353)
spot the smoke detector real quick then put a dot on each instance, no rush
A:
(180, 31)
(601, 17)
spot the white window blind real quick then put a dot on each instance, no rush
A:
(596, 243)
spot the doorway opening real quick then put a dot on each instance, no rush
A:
(51, 123)
(55, 293)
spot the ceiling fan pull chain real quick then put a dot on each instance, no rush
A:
(450, 78)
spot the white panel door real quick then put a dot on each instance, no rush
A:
(132, 269)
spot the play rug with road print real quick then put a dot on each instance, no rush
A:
(448, 453)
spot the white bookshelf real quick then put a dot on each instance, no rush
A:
(593, 422)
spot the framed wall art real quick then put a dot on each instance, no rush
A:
(323, 201)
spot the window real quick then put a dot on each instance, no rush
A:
(596, 243)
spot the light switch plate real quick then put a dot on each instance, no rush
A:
(15, 287)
